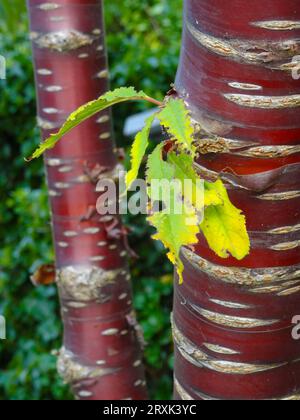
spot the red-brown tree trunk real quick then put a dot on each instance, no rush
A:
(101, 357)
(233, 320)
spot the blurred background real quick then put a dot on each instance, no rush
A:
(143, 45)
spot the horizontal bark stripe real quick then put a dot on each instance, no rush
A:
(269, 54)
(233, 321)
(244, 86)
(224, 22)
(49, 6)
(84, 283)
(279, 183)
(284, 230)
(195, 304)
(232, 305)
(219, 349)
(278, 25)
(251, 345)
(285, 246)
(283, 289)
(244, 148)
(72, 371)
(267, 152)
(63, 41)
(210, 125)
(264, 102)
(264, 385)
(280, 196)
(185, 396)
(265, 240)
(243, 276)
(199, 358)
(289, 291)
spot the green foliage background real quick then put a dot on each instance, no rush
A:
(143, 41)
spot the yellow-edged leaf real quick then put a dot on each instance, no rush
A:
(175, 231)
(138, 151)
(157, 168)
(159, 176)
(211, 195)
(175, 118)
(224, 227)
(88, 110)
(196, 191)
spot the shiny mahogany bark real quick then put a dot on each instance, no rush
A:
(233, 319)
(101, 357)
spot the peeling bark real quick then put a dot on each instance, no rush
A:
(101, 357)
(233, 319)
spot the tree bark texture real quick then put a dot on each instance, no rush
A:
(101, 357)
(233, 320)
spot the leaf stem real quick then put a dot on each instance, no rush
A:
(153, 101)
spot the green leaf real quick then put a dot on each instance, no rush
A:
(138, 151)
(158, 172)
(157, 168)
(224, 227)
(88, 110)
(175, 231)
(197, 192)
(175, 118)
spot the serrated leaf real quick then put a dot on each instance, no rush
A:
(175, 118)
(138, 151)
(157, 168)
(197, 192)
(211, 195)
(159, 176)
(173, 230)
(224, 227)
(88, 110)
(176, 231)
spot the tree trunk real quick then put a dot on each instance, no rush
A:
(233, 320)
(101, 357)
